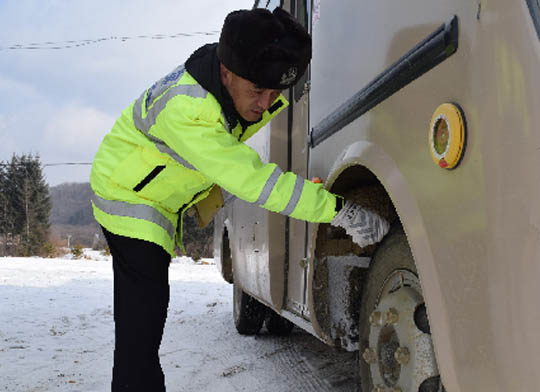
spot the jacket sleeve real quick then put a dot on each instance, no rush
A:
(203, 141)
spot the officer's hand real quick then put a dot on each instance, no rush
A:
(364, 226)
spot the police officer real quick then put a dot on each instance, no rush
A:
(167, 150)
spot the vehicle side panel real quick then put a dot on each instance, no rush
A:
(473, 230)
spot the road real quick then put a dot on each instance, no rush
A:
(56, 334)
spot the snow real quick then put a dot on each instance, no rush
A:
(56, 333)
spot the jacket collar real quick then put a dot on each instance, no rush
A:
(203, 65)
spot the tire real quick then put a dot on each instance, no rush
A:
(396, 349)
(277, 325)
(226, 257)
(248, 313)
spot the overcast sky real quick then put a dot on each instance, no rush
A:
(60, 103)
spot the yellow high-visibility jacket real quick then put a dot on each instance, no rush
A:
(168, 149)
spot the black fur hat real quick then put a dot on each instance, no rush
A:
(269, 49)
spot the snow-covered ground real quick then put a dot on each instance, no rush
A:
(56, 334)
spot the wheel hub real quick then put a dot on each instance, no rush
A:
(401, 356)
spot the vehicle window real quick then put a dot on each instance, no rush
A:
(301, 11)
(534, 7)
(268, 4)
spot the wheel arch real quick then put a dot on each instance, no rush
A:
(366, 164)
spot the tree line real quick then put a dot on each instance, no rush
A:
(25, 206)
(71, 216)
(27, 216)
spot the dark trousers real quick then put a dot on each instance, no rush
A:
(141, 298)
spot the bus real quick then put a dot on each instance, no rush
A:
(423, 111)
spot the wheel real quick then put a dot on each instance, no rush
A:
(276, 324)
(226, 257)
(248, 313)
(396, 349)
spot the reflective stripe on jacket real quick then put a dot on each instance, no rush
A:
(169, 148)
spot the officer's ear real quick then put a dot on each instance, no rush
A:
(226, 75)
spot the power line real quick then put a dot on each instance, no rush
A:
(51, 164)
(68, 164)
(58, 45)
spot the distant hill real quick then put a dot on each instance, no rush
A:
(71, 216)
(71, 204)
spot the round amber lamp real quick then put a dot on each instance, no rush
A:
(447, 136)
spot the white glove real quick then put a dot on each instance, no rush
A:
(364, 226)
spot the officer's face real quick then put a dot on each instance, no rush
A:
(249, 100)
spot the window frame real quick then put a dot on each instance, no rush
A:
(299, 88)
(534, 9)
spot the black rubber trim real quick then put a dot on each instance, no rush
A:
(437, 47)
(534, 9)
(148, 178)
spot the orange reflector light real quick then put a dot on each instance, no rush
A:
(447, 136)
